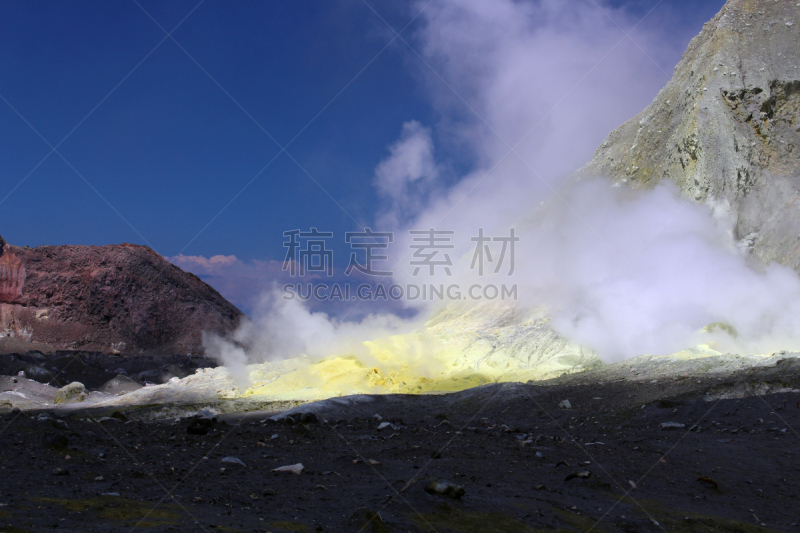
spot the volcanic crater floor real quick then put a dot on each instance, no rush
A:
(621, 457)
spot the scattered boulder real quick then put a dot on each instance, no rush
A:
(56, 441)
(308, 418)
(58, 423)
(365, 519)
(121, 384)
(169, 372)
(38, 373)
(708, 482)
(672, 425)
(287, 421)
(106, 419)
(303, 430)
(442, 487)
(200, 426)
(294, 469)
(72, 393)
(564, 404)
(233, 461)
(583, 474)
(153, 375)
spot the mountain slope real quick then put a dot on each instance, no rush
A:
(123, 298)
(726, 128)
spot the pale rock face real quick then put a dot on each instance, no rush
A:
(726, 128)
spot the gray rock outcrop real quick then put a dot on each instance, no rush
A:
(74, 392)
(726, 128)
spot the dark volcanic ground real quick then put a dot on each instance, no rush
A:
(95, 369)
(510, 447)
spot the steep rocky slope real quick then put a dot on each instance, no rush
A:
(123, 298)
(726, 128)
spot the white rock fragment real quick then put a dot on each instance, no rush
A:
(233, 461)
(564, 404)
(294, 469)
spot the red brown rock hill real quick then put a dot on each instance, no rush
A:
(123, 298)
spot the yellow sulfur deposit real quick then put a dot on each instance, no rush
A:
(450, 355)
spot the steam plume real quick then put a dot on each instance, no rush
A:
(530, 88)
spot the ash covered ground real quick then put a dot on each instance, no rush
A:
(679, 453)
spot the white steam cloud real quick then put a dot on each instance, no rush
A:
(285, 328)
(629, 273)
(531, 88)
(407, 176)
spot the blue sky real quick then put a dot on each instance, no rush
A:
(163, 154)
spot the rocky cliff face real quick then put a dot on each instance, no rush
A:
(726, 128)
(123, 298)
